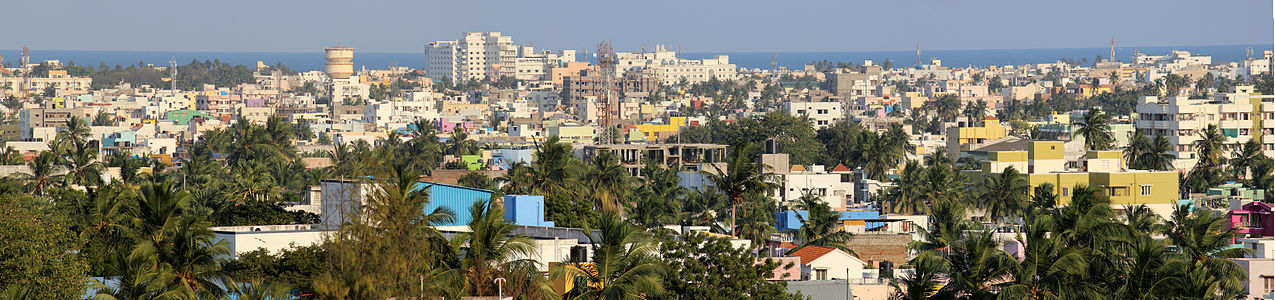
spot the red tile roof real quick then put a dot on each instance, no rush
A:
(841, 168)
(811, 253)
(990, 118)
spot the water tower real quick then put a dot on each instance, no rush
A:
(339, 63)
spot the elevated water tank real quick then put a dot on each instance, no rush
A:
(339, 63)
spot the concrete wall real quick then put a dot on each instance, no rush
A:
(873, 248)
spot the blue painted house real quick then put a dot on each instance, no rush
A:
(792, 219)
(527, 210)
(454, 197)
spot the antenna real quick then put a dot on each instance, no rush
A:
(172, 74)
(1113, 49)
(918, 54)
(606, 69)
(26, 71)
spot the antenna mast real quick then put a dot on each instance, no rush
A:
(918, 54)
(172, 75)
(26, 71)
(1113, 49)
(606, 69)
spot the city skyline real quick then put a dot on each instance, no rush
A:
(404, 26)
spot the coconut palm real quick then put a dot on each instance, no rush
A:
(1005, 194)
(45, 173)
(608, 182)
(1043, 196)
(821, 226)
(460, 144)
(1049, 270)
(1210, 147)
(625, 263)
(261, 290)
(906, 195)
(743, 175)
(80, 160)
(1139, 146)
(1150, 271)
(659, 200)
(979, 266)
(1141, 219)
(926, 281)
(491, 250)
(703, 207)
(880, 153)
(11, 157)
(1095, 127)
(948, 224)
(192, 255)
(516, 180)
(1245, 157)
(1158, 157)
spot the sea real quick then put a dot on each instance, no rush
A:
(306, 61)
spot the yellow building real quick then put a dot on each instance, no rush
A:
(655, 132)
(1043, 162)
(580, 134)
(969, 138)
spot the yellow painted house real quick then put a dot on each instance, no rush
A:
(1043, 162)
(653, 132)
(966, 138)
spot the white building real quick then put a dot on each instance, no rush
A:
(670, 69)
(273, 238)
(821, 114)
(1239, 115)
(824, 263)
(835, 189)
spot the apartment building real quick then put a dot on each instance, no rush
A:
(1240, 115)
(48, 117)
(671, 69)
(489, 55)
(821, 114)
(691, 157)
(1044, 162)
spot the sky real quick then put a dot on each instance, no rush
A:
(695, 25)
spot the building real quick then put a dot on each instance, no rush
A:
(969, 138)
(590, 84)
(477, 55)
(272, 238)
(1240, 116)
(821, 114)
(670, 69)
(31, 118)
(824, 263)
(1043, 162)
(634, 157)
(344, 198)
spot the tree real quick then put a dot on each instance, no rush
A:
(711, 268)
(1095, 128)
(926, 280)
(978, 265)
(476, 180)
(1158, 157)
(1245, 158)
(38, 251)
(608, 182)
(821, 227)
(743, 175)
(490, 250)
(1004, 194)
(625, 263)
(660, 199)
(1139, 146)
(1205, 240)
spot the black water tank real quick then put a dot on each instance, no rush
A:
(578, 254)
(886, 269)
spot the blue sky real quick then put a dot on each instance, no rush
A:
(708, 25)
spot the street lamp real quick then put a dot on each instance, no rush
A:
(500, 288)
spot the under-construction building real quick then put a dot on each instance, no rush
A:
(591, 84)
(689, 157)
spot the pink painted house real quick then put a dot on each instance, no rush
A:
(1252, 220)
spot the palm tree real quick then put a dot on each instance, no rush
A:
(80, 160)
(743, 175)
(1005, 194)
(979, 265)
(906, 195)
(948, 224)
(192, 255)
(1150, 272)
(608, 182)
(703, 207)
(1141, 219)
(1205, 240)
(881, 153)
(1210, 147)
(490, 250)
(11, 157)
(625, 263)
(1095, 127)
(516, 180)
(44, 172)
(926, 280)
(261, 290)
(1158, 157)
(821, 227)
(1049, 270)
(948, 106)
(460, 144)
(141, 278)
(1044, 197)
(1139, 146)
(659, 199)
(1245, 157)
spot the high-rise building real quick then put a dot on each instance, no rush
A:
(489, 55)
(477, 55)
(671, 69)
(1240, 115)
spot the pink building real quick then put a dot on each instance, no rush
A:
(1252, 220)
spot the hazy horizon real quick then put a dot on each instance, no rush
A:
(403, 26)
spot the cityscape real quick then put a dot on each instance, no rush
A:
(483, 166)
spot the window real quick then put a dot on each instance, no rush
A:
(1065, 191)
(1268, 284)
(1146, 190)
(822, 274)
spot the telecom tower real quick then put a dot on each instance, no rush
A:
(606, 69)
(26, 71)
(1113, 49)
(918, 54)
(172, 75)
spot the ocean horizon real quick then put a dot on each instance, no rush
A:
(307, 61)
